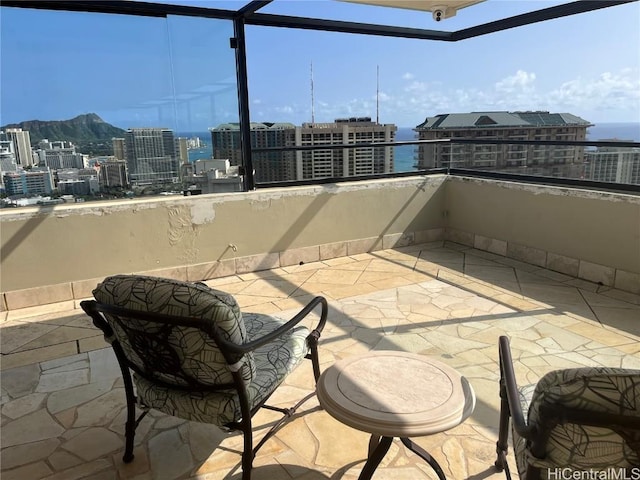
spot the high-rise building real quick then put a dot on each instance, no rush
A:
(345, 162)
(7, 157)
(37, 181)
(21, 145)
(61, 155)
(118, 148)
(113, 173)
(301, 165)
(269, 166)
(151, 156)
(561, 160)
(182, 150)
(613, 164)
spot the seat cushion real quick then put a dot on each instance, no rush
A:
(161, 349)
(582, 447)
(273, 362)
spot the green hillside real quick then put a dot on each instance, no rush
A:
(88, 132)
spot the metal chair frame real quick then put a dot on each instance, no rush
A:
(552, 414)
(231, 352)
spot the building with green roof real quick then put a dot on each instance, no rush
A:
(552, 160)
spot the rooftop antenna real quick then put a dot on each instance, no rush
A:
(378, 94)
(313, 116)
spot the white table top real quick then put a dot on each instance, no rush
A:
(395, 394)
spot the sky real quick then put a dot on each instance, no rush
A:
(179, 72)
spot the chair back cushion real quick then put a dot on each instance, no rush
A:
(596, 389)
(174, 353)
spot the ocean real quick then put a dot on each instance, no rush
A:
(404, 155)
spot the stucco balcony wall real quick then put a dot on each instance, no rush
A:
(593, 235)
(73, 243)
(56, 255)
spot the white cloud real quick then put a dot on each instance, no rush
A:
(287, 109)
(594, 97)
(609, 96)
(520, 81)
(417, 86)
(408, 76)
(606, 92)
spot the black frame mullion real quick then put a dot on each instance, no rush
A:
(122, 7)
(239, 43)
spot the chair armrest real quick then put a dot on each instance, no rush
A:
(511, 388)
(269, 337)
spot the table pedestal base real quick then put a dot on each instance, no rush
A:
(378, 448)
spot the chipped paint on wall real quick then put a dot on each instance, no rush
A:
(183, 232)
(202, 213)
(261, 197)
(260, 205)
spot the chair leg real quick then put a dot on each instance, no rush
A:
(247, 454)
(313, 354)
(502, 445)
(130, 426)
(129, 432)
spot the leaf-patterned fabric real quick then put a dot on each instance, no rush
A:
(581, 447)
(187, 355)
(161, 350)
(273, 363)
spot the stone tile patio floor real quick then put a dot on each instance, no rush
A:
(63, 402)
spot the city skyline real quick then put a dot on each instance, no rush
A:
(172, 72)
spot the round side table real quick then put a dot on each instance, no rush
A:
(395, 394)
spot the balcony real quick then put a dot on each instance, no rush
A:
(426, 262)
(438, 265)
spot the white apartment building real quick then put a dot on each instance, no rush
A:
(344, 162)
(278, 166)
(21, 145)
(7, 157)
(58, 158)
(613, 164)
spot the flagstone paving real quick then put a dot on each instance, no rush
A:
(63, 406)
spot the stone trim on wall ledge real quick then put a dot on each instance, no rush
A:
(573, 267)
(66, 296)
(40, 300)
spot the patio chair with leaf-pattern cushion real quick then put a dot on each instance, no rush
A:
(570, 422)
(194, 355)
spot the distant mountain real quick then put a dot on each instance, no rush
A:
(83, 129)
(88, 132)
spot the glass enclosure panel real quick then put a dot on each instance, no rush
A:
(547, 81)
(102, 106)
(205, 98)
